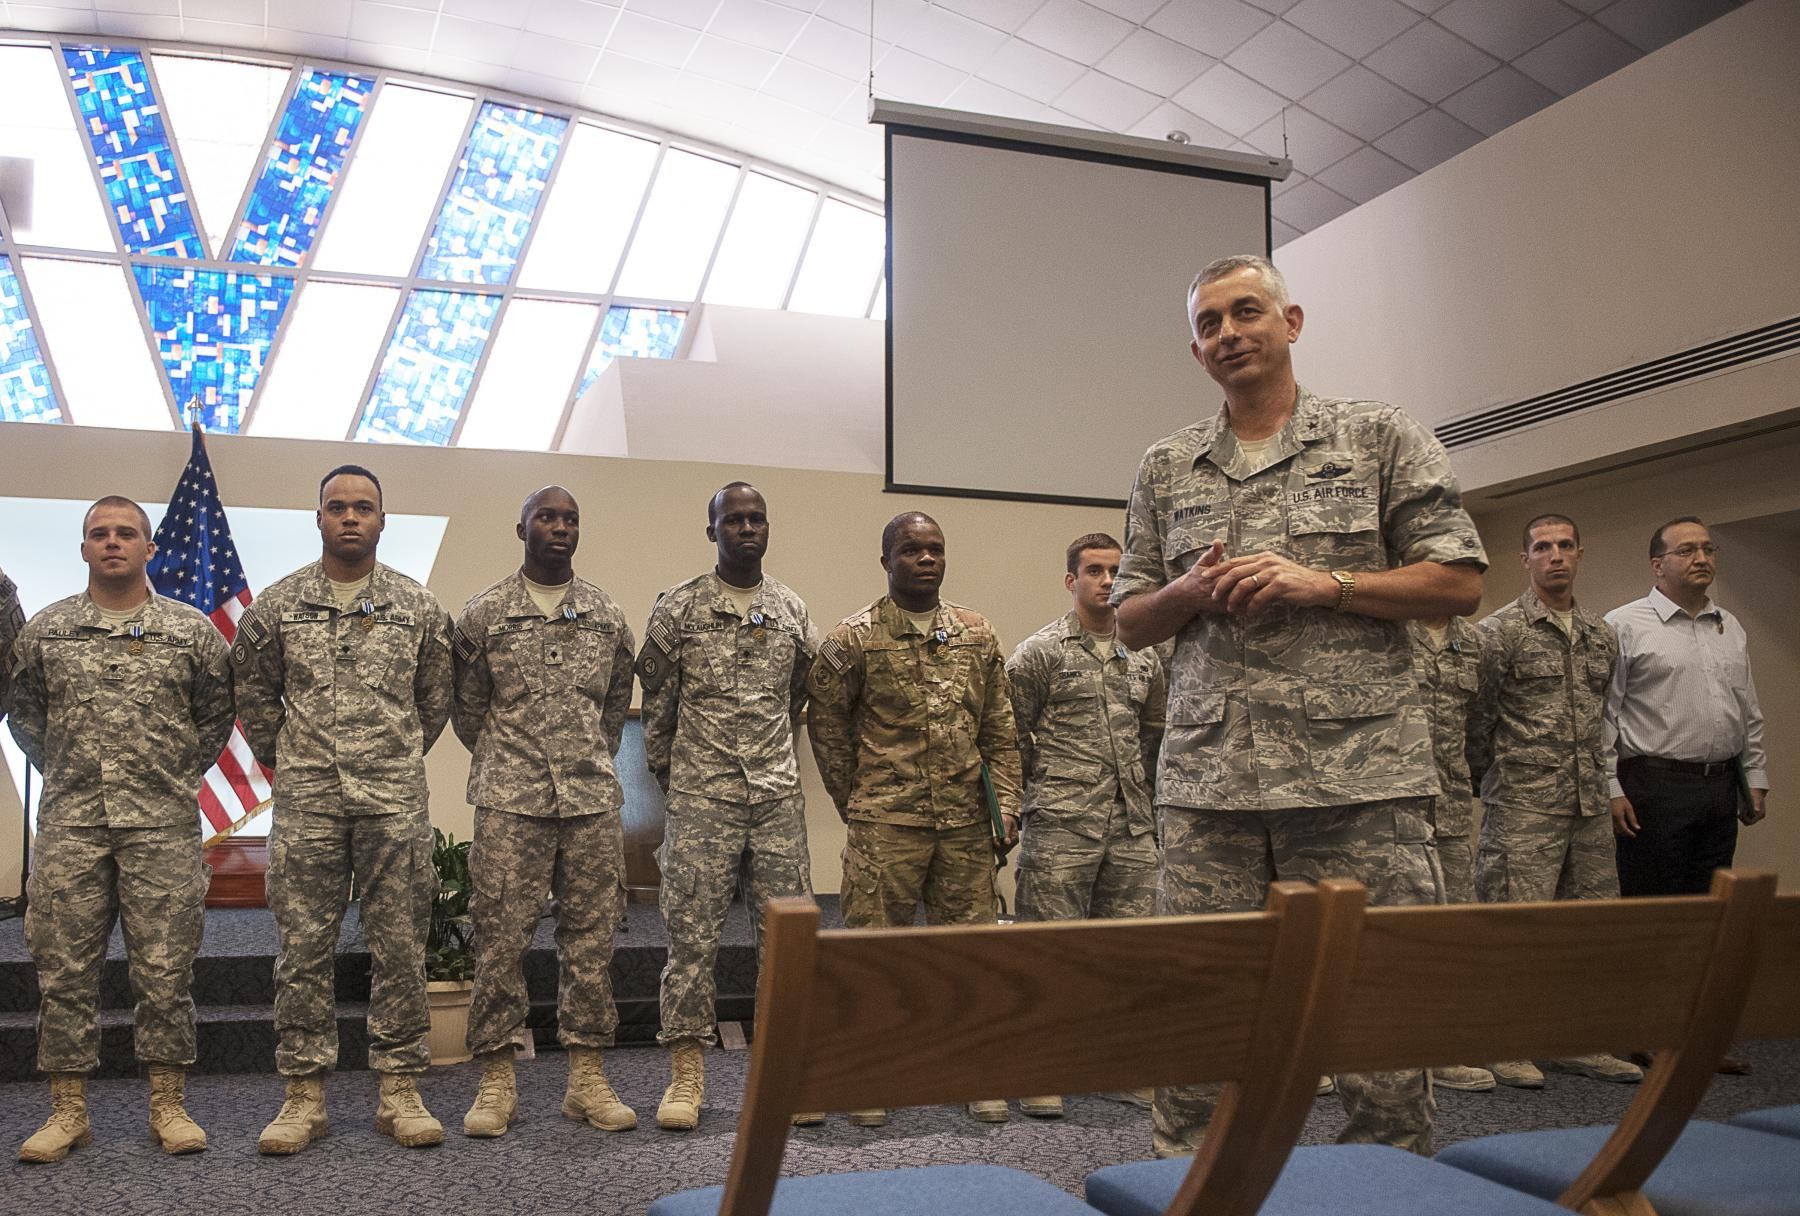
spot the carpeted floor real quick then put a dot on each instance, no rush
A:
(551, 1165)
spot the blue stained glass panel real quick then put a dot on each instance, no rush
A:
(130, 141)
(496, 191)
(302, 167)
(642, 333)
(25, 392)
(429, 367)
(213, 331)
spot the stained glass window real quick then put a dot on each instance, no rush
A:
(25, 392)
(588, 216)
(767, 228)
(391, 188)
(130, 142)
(218, 113)
(643, 333)
(681, 222)
(58, 204)
(319, 372)
(95, 337)
(287, 203)
(429, 366)
(213, 330)
(526, 382)
(498, 185)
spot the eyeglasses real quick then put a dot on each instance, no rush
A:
(1686, 552)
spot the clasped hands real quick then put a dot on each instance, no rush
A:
(1251, 585)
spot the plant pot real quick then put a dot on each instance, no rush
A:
(449, 1002)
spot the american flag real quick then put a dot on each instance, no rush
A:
(197, 564)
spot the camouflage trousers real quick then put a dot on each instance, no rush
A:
(1453, 832)
(889, 869)
(152, 881)
(312, 858)
(1224, 861)
(1526, 856)
(1077, 864)
(515, 861)
(706, 841)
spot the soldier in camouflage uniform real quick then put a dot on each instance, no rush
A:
(1090, 716)
(1536, 746)
(723, 670)
(121, 699)
(909, 703)
(12, 619)
(543, 683)
(1282, 543)
(1446, 654)
(341, 673)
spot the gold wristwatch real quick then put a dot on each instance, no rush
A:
(1346, 582)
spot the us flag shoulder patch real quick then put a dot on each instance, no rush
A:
(254, 630)
(661, 634)
(833, 655)
(467, 648)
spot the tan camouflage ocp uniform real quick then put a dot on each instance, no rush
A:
(1449, 676)
(1297, 743)
(1535, 743)
(901, 725)
(12, 619)
(541, 704)
(1090, 719)
(344, 705)
(123, 723)
(723, 693)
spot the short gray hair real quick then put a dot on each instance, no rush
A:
(1220, 267)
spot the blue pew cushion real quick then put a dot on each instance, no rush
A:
(1713, 1170)
(939, 1190)
(1779, 1120)
(1330, 1180)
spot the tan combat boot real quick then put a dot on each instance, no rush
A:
(302, 1119)
(680, 1109)
(496, 1097)
(590, 1095)
(401, 1112)
(170, 1123)
(67, 1127)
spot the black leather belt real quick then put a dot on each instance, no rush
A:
(1694, 768)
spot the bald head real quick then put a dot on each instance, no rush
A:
(550, 526)
(559, 495)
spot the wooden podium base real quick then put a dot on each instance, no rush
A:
(240, 865)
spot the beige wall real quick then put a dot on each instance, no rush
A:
(644, 530)
(1750, 495)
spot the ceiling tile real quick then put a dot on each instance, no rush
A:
(808, 87)
(1507, 28)
(1431, 62)
(651, 40)
(1576, 58)
(298, 42)
(385, 23)
(242, 12)
(476, 40)
(1426, 6)
(1030, 70)
(1649, 24)
(1287, 60)
(1170, 117)
(572, 20)
(1006, 15)
(623, 74)
(1281, 232)
(1591, 7)
(757, 22)
(836, 48)
(1312, 143)
(892, 17)
(1153, 62)
(1428, 139)
(1364, 174)
(1308, 205)
(1217, 27)
(1363, 103)
(534, 84)
(553, 57)
(455, 67)
(387, 55)
(733, 62)
(859, 147)
(692, 13)
(1075, 29)
(954, 40)
(977, 96)
(143, 25)
(1498, 100)
(1354, 27)
(319, 17)
(1132, 10)
(1277, 189)
(903, 76)
(512, 15)
(1229, 100)
(1107, 103)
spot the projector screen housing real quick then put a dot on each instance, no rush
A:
(1036, 291)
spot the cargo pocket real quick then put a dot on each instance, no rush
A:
(1195, 735)
(1353, 732)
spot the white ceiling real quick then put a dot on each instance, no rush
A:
(1369, 92)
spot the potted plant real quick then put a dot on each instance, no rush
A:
(449, 954)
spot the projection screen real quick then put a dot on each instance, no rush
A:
(1036, 291)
